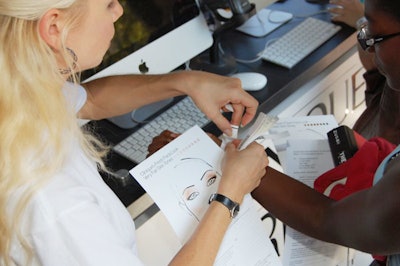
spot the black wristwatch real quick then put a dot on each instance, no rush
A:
(232, 206)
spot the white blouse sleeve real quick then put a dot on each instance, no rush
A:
(83, 237)
(75, 94)
(81, 233)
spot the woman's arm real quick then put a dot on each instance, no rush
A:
(242, 171)
(368, 220)
(202, 248)
(116, 95)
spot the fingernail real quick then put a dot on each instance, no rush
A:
(229, 107)
(228, 132)
(235, 130)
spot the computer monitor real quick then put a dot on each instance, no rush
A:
(153, 37)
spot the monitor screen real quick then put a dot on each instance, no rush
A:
(153, 37)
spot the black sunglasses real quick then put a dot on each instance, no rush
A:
(366, 41)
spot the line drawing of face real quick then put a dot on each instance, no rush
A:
(198, 180)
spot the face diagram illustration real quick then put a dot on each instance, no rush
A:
(198, 179)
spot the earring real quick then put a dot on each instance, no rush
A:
(74, 60)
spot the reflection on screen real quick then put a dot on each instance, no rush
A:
(144, 21)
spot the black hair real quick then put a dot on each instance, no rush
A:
(390, 7)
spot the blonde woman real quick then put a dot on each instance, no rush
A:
(54, 207)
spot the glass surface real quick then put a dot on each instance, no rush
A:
(144, 21)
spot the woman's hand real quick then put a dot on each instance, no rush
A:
(347, 11)
(160, 141)
(212, 93)
(242, 170)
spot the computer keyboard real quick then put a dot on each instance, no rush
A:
(299, 42)
(178, 118)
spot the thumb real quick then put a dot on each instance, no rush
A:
(230, 147)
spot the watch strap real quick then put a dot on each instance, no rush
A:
(232, 206)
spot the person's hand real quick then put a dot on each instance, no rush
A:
(212, 93)
(347, 11)
(242, 170)
(166, 137)
(160, 141)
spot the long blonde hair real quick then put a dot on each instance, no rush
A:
(35, 128)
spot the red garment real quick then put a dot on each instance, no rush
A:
(358, 172)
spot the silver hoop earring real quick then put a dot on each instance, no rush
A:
(74, 60)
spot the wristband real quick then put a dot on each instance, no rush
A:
(232, 206)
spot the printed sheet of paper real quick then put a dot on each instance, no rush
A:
(180, 178)
(300, 127)
(306, 160)
(303, 127)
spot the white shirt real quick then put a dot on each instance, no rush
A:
(76, 219)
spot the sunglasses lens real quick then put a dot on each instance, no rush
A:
(362, 39)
